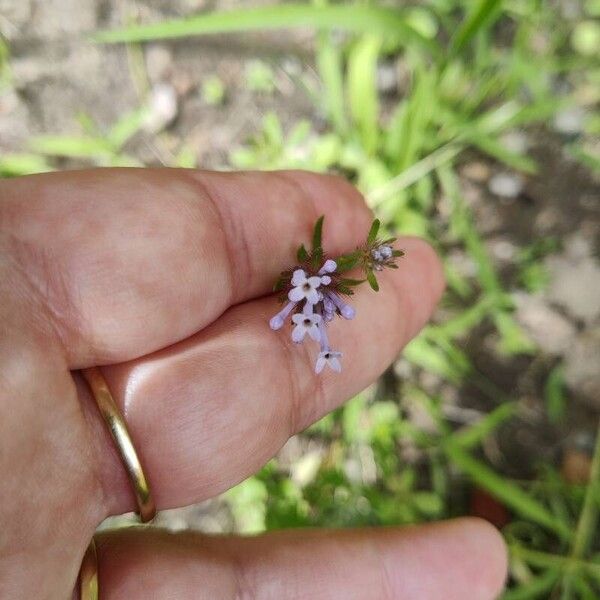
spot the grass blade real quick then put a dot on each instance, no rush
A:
(586, 530)
(535, 589)
(371, 19)
(329, 63)
(471, 436)
(554, 394)
(362, 89)
(482, 16)
(14, 165)
(507, 492)
(72, 147)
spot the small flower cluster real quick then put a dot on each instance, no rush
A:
(312, 292)
(381, 255)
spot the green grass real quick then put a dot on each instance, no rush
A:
(473, 73)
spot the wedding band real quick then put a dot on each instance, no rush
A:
(123, 442)
(88, 574)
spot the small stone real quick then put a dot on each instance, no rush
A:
(387, 78)
(162, 107)
(576, 467)
(503, 250)
(570, 121)
(516, 141)
(581, 367)
(575, 285)
(552, 332)
(506, 185)
(476, 171)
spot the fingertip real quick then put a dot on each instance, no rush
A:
(488, 544)
(418, 283)
(430, 263)
(454, 560)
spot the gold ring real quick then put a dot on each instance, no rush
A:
(122, 439)
(88, 574)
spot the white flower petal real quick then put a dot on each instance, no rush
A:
(312, 296)
(314, 332)
(314, 281)
(335, 364)
(299, 277)
(320, 364)
(298, 333)
(296, 294)
(298, 318)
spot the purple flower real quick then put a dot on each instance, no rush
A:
(385, 251)
(277, 321)
(315, 297)
(328, 308)
(329, 266)
(326, 355)
(306, 323)
(346, 310)
(329, 358)
(305, 288)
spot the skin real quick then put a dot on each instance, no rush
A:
(162, 278)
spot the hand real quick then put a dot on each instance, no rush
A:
(162, 276)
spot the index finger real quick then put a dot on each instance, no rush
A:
(129, 261)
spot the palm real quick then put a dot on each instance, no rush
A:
(161, 276)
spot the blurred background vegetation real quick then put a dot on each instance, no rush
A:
(473, 123)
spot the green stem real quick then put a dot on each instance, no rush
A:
(549, 561)
(588, 518)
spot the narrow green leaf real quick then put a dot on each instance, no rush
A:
(425, 354)
(279, 284)
(536, 589)
(329, 63)
(468, 318)
(554, 395)
(14, 165)
(510, 494)
(126, 127)
(476, 433)
(72, 147)
(372, 19)
(483, 15)
(317, 237)
(373, 232)
(351, 282)
(344, 289)
(586, 531)
(492, 147)
(584, 589)
(372, 280)
(408, 135)
(302, 254)
(317, 246)
(362, 89)
(348, 262)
